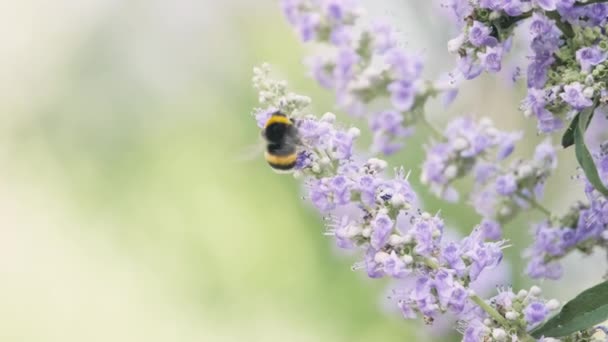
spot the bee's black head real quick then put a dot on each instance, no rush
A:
(275, 132)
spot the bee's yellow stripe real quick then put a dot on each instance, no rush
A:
(278, 119)
(281, 160)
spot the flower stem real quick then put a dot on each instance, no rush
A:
(489, 310)
(590, 2)
(424, 121)
(539, 207)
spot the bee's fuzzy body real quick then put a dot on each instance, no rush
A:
(281, 137)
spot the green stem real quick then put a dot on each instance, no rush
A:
(565, 27)
(431, 128)
(539, 207)
(490, 310)
(590, 2)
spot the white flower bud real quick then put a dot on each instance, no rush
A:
(589, 80)
(528, 113)
(492, 132)
(553, 304)
(395, 240)
(424, 179)
(499, 334)
(535, 291)
(524, 171)
(460, 144)
(381, 257)
(329, 117)
(425, 216)
(504, 211)
(511, 315)
(353, 230)
(325, 161)
(451, 171)
(486, 122)
(354, 132)
(407, 259)
(588, 92)
(366, 232)
(407, 238)
(436, 233)
(522, 294)
(456, 43)
(397, 200)
(316, 168)
(488, 322)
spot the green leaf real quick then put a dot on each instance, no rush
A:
(568, 137)
(583, 155)
(589, 308)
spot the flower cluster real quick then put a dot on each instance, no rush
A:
(499, 194)
(478, 148)
(366, 209)
(464, 143)
(566, 72)
(516, 312)
(365, 64)
(582, 228)
(380, 215)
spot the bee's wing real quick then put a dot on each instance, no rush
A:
(249, 153)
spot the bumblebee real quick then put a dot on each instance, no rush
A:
(282, 140)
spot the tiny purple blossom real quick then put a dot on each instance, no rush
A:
(479, 35)
(506, 184)
(382, 227)
(491, 59)
(573, 95)
(535, 313)
(590, 56)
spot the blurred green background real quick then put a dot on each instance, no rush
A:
(128, 213)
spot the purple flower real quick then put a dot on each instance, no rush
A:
(590, 56)
(479, 34)
(383, 36)
(547, 5)
(535, 313)
(469, 68)
(506, 185)
(382, 227)
(405, 67)
(403, 94)
(394, 266)
(491, 59)
(573, 95)
(491, 229)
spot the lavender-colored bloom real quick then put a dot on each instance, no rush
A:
(479, 34)
(491, 229)
(547, 5)
(491, 59)
(381, 229)
(573, 95)
(383, 37)
(403, 65)
(394, 266)
(506, 185)
(590, 56)
(403, 94)
(466, 142)
(468, 67)
(535, 313)
(389, 130)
